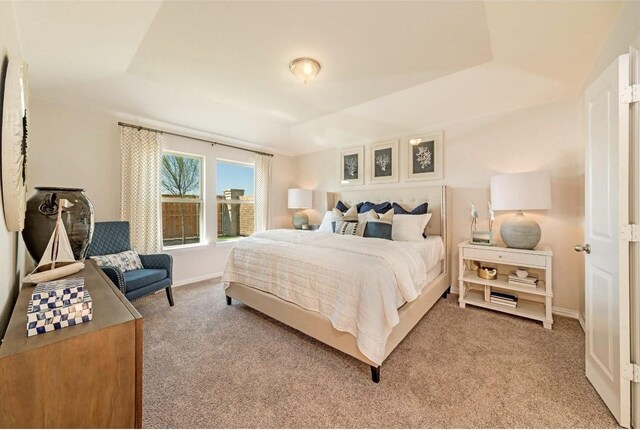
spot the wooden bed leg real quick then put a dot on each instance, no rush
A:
(228, 300)
(446, 293)
(375, 374)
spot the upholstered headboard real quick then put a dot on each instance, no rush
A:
(410, 197)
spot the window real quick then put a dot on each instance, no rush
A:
(234, 199)
(182, 208)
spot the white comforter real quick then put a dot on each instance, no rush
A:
(350, 280)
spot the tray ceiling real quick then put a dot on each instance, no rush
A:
(221, 67)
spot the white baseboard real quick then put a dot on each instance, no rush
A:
(197, 279)
(581, 321)
(564, 312)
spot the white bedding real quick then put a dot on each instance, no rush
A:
(357, 283)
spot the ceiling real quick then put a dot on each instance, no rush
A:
(221, 67)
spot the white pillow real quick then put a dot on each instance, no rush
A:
(350, 215)
(387, 216)
(325, 227)
(409, 228)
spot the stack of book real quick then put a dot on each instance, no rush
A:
(528, 281)
(504, 299)
(58, 304)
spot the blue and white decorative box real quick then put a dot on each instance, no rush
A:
(38, 315)
(58, 288)
(54, 319)
(55, 302)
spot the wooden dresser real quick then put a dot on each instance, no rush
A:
(88, 375)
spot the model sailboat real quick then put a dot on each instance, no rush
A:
(57, 260)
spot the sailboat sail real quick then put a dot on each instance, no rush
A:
(58, 259)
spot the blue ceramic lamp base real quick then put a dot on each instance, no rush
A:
(299, 218)
(520, 232)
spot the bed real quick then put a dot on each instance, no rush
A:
(360, 299)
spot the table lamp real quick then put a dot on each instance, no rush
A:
(519, 192)
(299, 198)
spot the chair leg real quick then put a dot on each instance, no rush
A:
(169, 295)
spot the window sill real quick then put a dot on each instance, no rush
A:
(229, 242)
(188, 247)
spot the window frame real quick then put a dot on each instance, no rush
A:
(202, 200)
(234, 202)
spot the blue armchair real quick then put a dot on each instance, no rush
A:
(113, 237)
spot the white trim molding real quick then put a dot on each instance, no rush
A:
(564, 312)
(195, 279)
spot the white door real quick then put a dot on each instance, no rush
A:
(607, 263)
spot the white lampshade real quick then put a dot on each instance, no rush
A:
(299, 198)
(521, 191)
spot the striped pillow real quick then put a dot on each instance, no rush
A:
(349, 228)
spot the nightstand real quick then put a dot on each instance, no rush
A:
(533, 302)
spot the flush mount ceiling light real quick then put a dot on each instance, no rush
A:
(305, 69)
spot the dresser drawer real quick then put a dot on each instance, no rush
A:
(497, 256)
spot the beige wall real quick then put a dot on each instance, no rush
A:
(76, 148)
(9, 242)
(545, 137)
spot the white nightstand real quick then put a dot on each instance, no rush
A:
(533, 302)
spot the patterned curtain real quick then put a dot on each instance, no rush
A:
(140, 203)
(263, 192)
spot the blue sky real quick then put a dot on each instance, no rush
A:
(234, 176)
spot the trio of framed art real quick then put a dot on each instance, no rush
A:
(423, 155)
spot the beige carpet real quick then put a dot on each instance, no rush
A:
(211, 365)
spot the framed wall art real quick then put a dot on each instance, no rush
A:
(384, 162)
(352, 166)
(425, 157)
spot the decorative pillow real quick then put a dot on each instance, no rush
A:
(349, 228)
(125, 261)
(325, 227)
(379, 226)
(409, 227)
(418, 210)
(343, 208)
(379, 208)
(351, 215)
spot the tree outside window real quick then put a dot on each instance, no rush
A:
(182, 208)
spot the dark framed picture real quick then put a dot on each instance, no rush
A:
(425, 157)
(351, 166)
(384, 162)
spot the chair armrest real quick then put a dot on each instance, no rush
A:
(158, 261)
(116, 276)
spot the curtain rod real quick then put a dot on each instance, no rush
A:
(212, 142)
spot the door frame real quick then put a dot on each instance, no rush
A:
(634, 218)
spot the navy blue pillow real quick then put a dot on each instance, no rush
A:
(343, 208)
(418, 210)
(381, 230)
(380, 208)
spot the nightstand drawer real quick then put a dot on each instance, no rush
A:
(505, 257)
